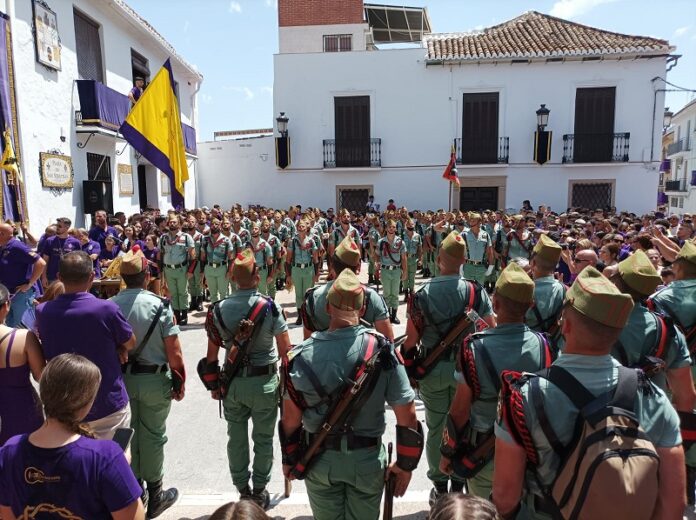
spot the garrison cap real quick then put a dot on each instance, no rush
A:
(688, 252)
(133, 262)
(348, 252)
(454, 246)
(514, 284)
(639, 274)
(547, 249)
(597, 298)
(244, 266)
(346, 293)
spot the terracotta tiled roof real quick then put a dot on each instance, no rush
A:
(537, 35)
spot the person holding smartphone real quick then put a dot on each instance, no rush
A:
(59, 467)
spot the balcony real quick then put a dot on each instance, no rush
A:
(595, 148)
(482, 150)
(353, 153)
(100, 106)
(682, 145)
(678, 185)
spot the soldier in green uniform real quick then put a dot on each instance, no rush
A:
(195, 283)
(548, 292)
(253, 392)
(518, 242)
(373, 236)
(479, 262)
(302, 265)
(276, 251)
(154, 375)
(435, 308)
(263, 253)
(346, 479)
(314, 310)
(216, 252)
(283, 233)
(392, 262)
(511, 345)
(176, 251)
(678, 301)
(594, 315)
(414, 254)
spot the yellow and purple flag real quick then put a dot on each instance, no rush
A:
(153, 128)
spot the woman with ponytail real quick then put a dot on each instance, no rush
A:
(59, 468)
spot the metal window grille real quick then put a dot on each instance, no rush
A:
(353, 199)
(98, 167)
(338, 42)
(594, 195)
(88, 48)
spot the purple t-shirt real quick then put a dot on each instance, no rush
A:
(55, 248)
(136, 93)
(87, 478)
(93, 248)
(99, 235)
(16, 260)
(86, 325)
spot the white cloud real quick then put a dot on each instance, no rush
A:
(570, 9)
(235, 7)
(247, 91)
(681, 31)
(272, 3)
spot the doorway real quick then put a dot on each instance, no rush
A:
(478, 198)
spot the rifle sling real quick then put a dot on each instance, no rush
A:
(133, 356)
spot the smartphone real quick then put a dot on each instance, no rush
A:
(123, 437)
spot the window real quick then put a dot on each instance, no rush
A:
(594, 124)
(338, 42)
(681, 202)
(98, 167)
(139, 66)
(88, 48)
(480, 128)
(662, 178)
(591, 195)
(673, 202)
(352, 131)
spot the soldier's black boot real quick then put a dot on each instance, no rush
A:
(199, 303)
(407, 293)
(261, 497)
(690, 484)
(192, 305)
(184, 318)
(144, 495)
(177, 315)
(456, 486)
(439, 489)
(370, 279)
(393, 317)
(245, 493)
(160, 500)
(299, 318)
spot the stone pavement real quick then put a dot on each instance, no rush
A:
(196, 457)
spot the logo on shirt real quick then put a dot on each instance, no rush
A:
(34, 475)
(53, 510)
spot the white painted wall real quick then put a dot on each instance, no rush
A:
(416, 111)
(684, 163)
(47, 101)
(310, 38)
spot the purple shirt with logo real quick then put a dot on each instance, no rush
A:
(99, 234)
(55, 248)
(86, 325)
(87, 478)
(93, 248)
(16, 260)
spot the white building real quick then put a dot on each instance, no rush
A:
(72, 103)
(681, 189)
(365, 120)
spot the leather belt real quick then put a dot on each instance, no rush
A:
(391, 267)
(136, 368)
(253, 371)
(216, 264)
(302, 266)
(176, 266)
(353, 442)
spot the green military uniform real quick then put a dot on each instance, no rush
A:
(595, 297)
(175, 259)
(549, 293)
(283, 234)
(345, 481)
(509, 346)
(438, 305)
(414, 248)
(373, 237)
(275, 246)
(390, 254)
(477, 245)
(262, 253)
(217, 252)
(436, 238)
(253, 393)
(491, 230)
(148, 381)
(195, 287)
(302, 269)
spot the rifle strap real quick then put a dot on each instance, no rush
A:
(254, 315)
(133, 356)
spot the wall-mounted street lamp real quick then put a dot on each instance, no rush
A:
(542, 117)
(282, 121)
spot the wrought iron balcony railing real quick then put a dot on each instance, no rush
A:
(353, 153)
(596, 148)
(482, 150)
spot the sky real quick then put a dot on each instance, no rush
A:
(232, 42)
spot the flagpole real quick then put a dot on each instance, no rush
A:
(449, 197)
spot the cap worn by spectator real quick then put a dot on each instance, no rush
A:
(514, 284)
(596, 297)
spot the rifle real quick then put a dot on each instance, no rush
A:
(469, 463)
(469, 319)
(288, 483)
(388, 488)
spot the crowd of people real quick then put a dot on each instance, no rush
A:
(513, 315)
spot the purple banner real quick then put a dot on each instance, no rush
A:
(189, 138)
(693, 177)
(665, 165)
(661, 197)
(101, 105)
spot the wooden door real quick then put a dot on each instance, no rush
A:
(352, 131)
(480, 128)
(594, 124)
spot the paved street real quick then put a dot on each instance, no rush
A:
(196, 459)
